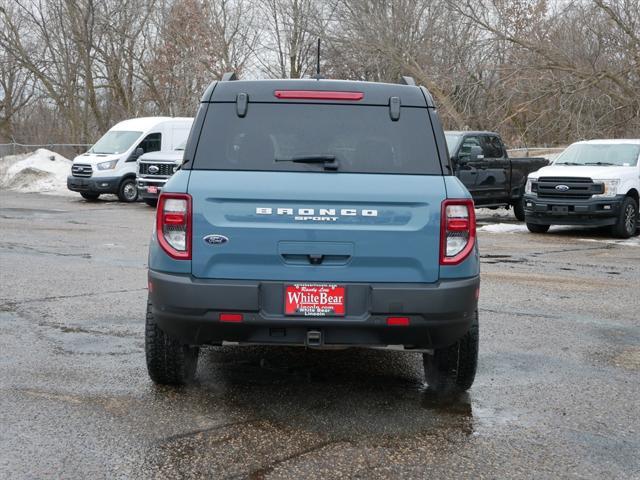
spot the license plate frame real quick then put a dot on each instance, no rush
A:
(315, 300)
(152, 189)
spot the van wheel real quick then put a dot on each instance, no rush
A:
(128, 191)
(627, 221)
(453, 368)
(168, 361)
(536, 228)
(152, 202)
(90, 197)
(518, 209)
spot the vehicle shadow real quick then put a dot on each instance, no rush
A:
(345, 393)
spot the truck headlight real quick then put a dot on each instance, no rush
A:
(609, 187)
(527, 187)
(111, 164)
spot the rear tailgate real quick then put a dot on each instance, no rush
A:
(316, 227)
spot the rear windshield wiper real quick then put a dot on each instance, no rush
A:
(599, 163)
(569, 163)
(330, 162)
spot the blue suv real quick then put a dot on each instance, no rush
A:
(318, 213)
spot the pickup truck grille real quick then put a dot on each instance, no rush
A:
(161, 169)
(81, 170)
(570, 188)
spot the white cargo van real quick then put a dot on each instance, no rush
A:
(110, 165)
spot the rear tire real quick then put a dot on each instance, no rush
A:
(453, 369)
(518, 209)
(90, 197)
(128, 190)
(536, 228)
(152, 202)
(168, 361)
(627, 222)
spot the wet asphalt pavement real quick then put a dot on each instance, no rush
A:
(556, 393)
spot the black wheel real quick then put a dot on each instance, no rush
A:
(91, 197)
(453, 368)
(152, 202)
(627, 219)
(128, 190)
(518, 209)
(535, 228)
(168, 361)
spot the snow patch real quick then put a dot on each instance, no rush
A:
(503, 228)
(632, 242)
(42, 171)
(493, 213)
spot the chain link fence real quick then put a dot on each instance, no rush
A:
(68, 150)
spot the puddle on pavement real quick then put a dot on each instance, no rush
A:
(349, 393)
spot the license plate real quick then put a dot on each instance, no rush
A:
(152, 189)
(559, 209)
(314, 300)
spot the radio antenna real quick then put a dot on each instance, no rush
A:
(318, 76)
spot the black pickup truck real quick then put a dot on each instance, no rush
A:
(481, 162)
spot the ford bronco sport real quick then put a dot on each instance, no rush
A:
(318, 213)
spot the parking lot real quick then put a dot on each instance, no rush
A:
(556, 393)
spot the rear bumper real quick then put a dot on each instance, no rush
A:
(93, 185)
(592, 212)
(188, 309)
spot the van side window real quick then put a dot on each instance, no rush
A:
(492, 147)
(467, 143)
(151, 143)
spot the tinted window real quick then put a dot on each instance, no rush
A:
(492, 147)
(362, 139)
(151, 142)
(467, 143)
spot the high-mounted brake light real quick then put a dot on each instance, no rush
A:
(318, 95)
(457, 231)
(173, 224)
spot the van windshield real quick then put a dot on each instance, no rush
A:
(600, 154)
(115, 141)
(313, 137)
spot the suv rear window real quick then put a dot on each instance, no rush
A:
(363, 139)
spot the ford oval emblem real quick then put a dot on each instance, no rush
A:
(215, 239)
(562, 188)
(153, 169)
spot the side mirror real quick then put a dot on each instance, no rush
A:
(138, 152)
(475, 154)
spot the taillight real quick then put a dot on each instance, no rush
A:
(457, 231)
(173, 224)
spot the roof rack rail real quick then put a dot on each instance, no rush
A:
(229, 77)
(406, 80)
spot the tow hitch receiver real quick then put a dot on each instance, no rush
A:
(314, 338)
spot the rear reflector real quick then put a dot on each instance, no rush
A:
(318, 95)
(398, 321)
(230, 317)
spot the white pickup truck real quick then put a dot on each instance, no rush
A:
(592, 183)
